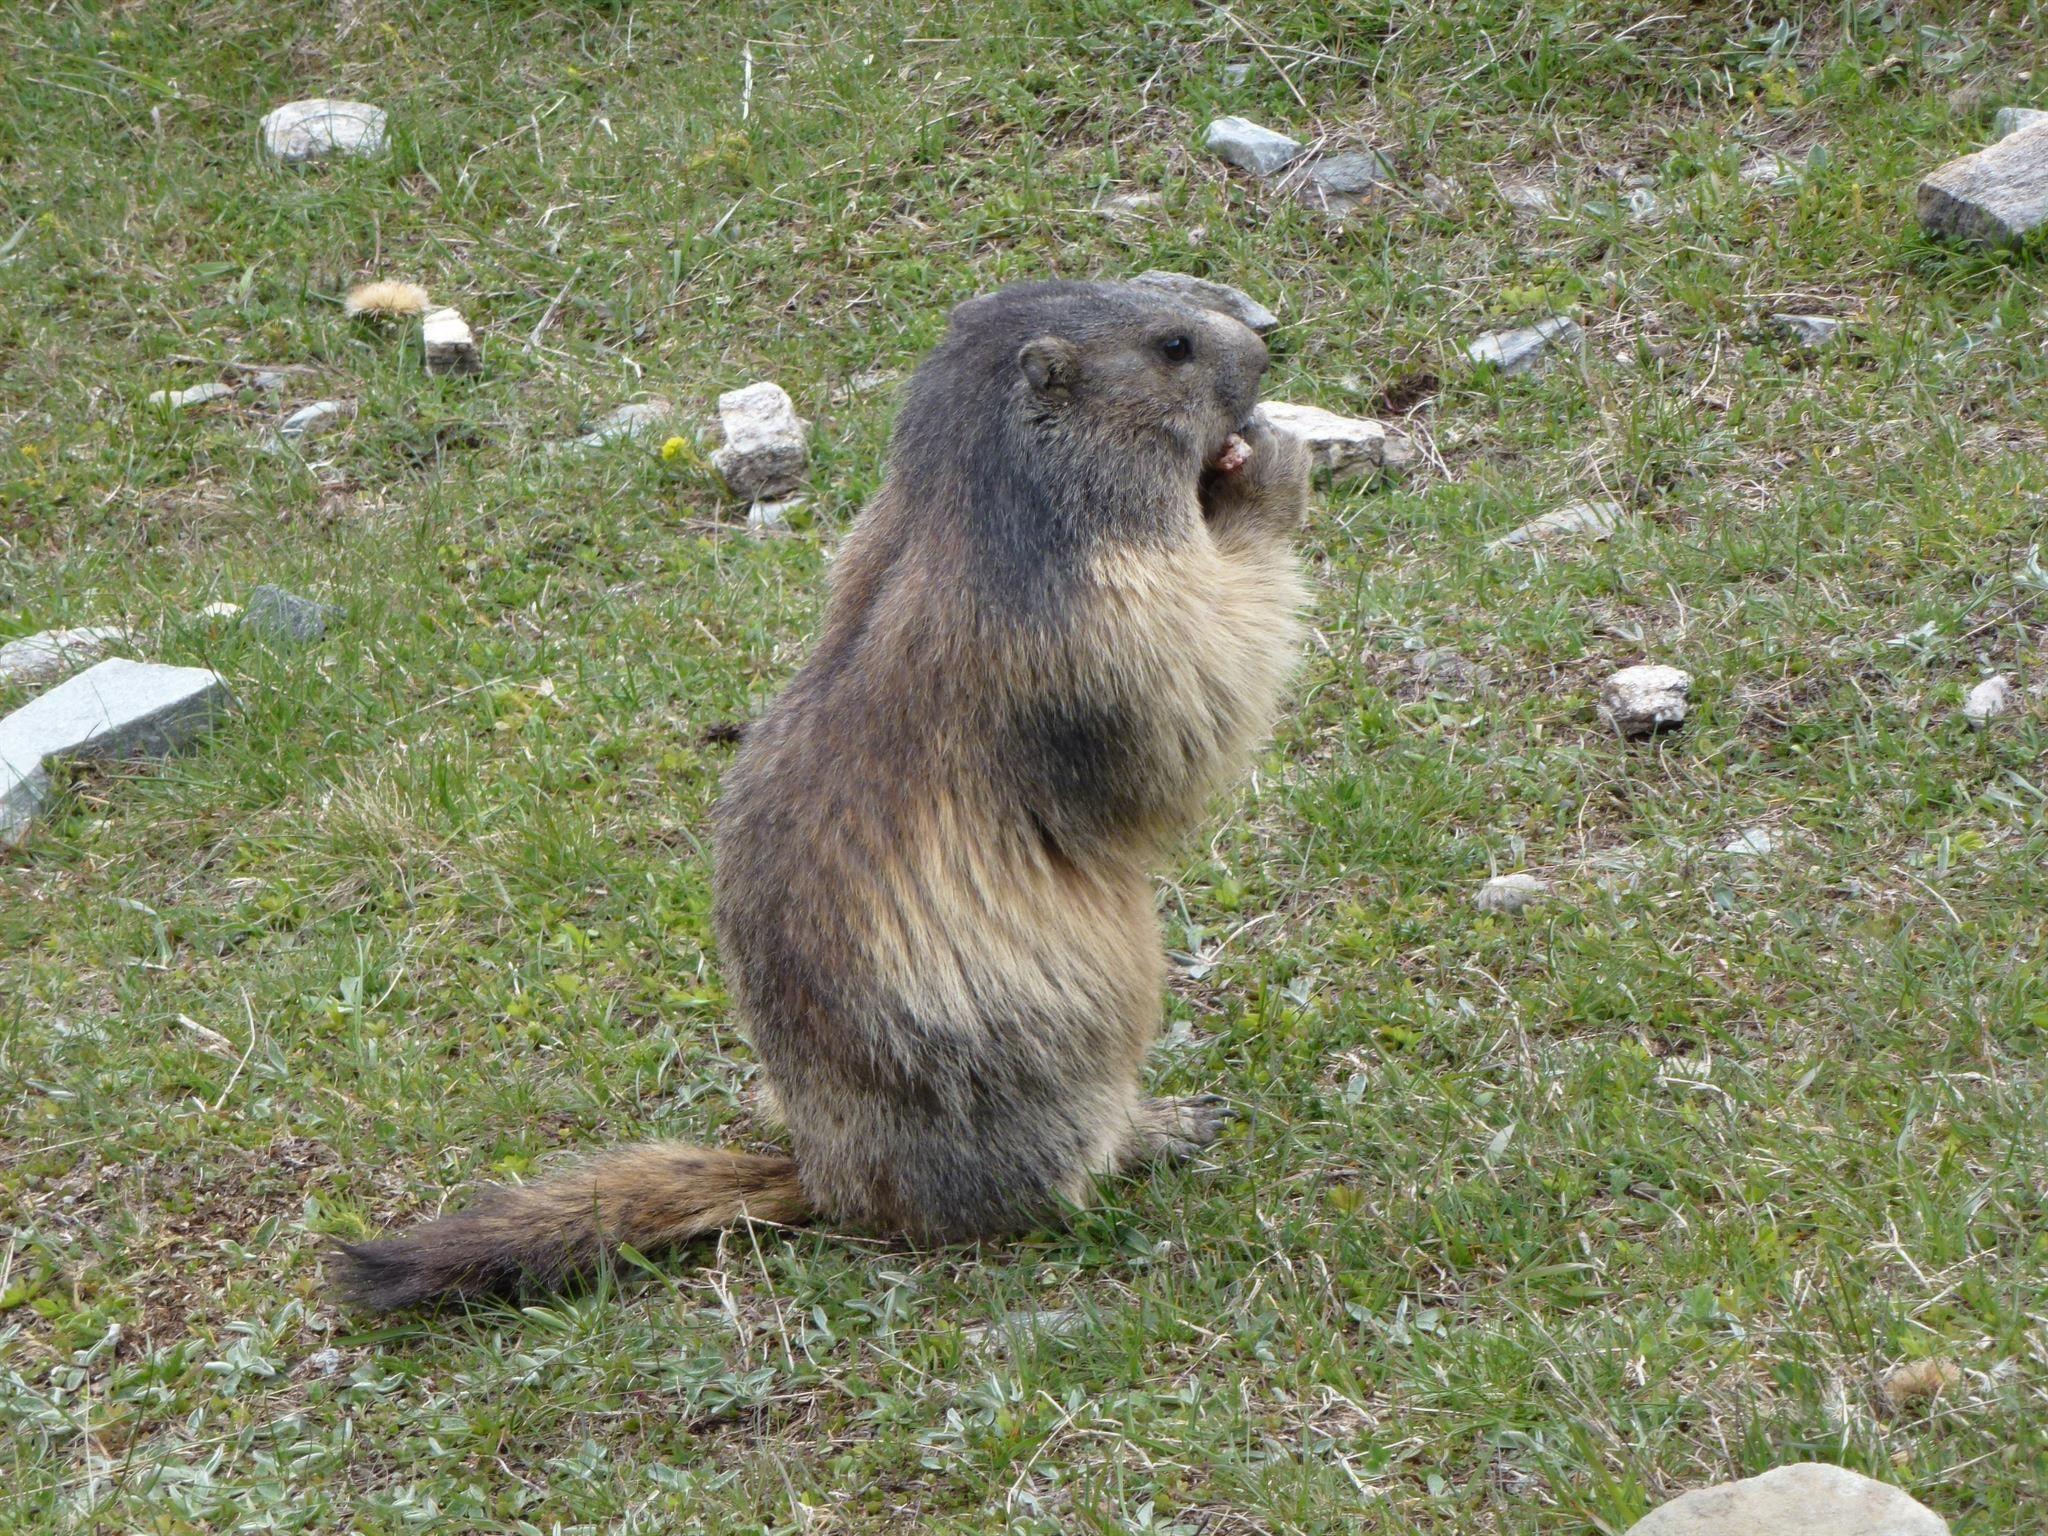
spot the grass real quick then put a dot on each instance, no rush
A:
(1534, 1222)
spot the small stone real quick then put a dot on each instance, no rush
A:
(1249, 147)
(772, 516)
(42, 658)
(1234, 302)
(198, 394)
(449, 344)
(1529, 199)
(1987, 701)
(642, 419)
(1517, 351)
(766, 443)
(1584, 521)
(308, 130)
(281, 615)
(1804, 1499)
(1343, 445)
(1351, 174)
(1812, 331)
(2012, 120)
(116, 709)
(1640, 701)
(1998, 196)
(311, 420)
(1751, 843)
(1509, 894)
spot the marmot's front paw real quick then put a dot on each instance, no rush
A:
(1261, 477)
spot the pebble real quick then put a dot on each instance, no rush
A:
(1234, 302)
(308, 130)
(1343, 445)
(1813, 331)
(198, 394)
(1803, 1499)
(1996, 197)
(772, 516)
(450, 346)
(1586, 521)
(281, 615)
(2012, 120)
(766, 443)
(1640, 701)
(116, 709)
(1508, 894)
(1517, 351)
(1987, 701)
(1340, 182)
(1249, 147)
(642, 419)
(42, 658)
(1751, 843)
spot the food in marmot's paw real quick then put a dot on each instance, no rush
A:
(1235, 455)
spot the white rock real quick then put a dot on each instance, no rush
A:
(308, 130)
(1639, 701)
(2011, 120)
(198, 394)
(220, 611)
(766, 443)
(1998, 196)
(42, 658)
(1529, 199)
(1510, 893)
(640, 420)
(1249, 147)
(1518, 351)
(449, 344)
(1344, 445)
(311, 420)
(1585, 521)
(1987, 701)
(772, 516)
(1751, 843)
(1804, 1499)
(116, 709)
(1234, 302)
(1814, 331)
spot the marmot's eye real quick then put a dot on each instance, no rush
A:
(1177, 349)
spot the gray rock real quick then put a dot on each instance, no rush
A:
(2012, 120)
(42, 658)
(1343, 445)
(1518, 351)
(309, 130)
(450, 347)
(198, 394)
(1509, 894)
(1584, 521)
(311, 420)
(1349, 175)
(1249, 147)
(1997, 196)
(1804, 1499)
(772, 516)
(116, 709)
(1814, 331)
(1987, 701)
(766, 446)
(1640, 701)
(1234, 302)
(280, 615)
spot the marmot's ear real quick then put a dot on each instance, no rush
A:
(1051, 363)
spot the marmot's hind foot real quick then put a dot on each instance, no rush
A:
(1174, 1130)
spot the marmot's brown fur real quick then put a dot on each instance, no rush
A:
(1062, 624)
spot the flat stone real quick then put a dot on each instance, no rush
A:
(1804, 1499)
(1997, 196)
(311, 129)
(1815, 331)
(198, 394)
(766, 446)
(1987, 701)
(1234, 302)
(1343, 445)
(1517, 351)
(1584, 521)
(281, 615)
(42, 658)
(1249, 147)
(642, 419)
(1509, 894)
(1640, 701)
(1349, 175)
(450, 347)
(772, 516)
(2012, 120)
(116, 709)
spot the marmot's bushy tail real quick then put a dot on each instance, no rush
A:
(518, 1237)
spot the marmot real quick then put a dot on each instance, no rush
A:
(1063, 622)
